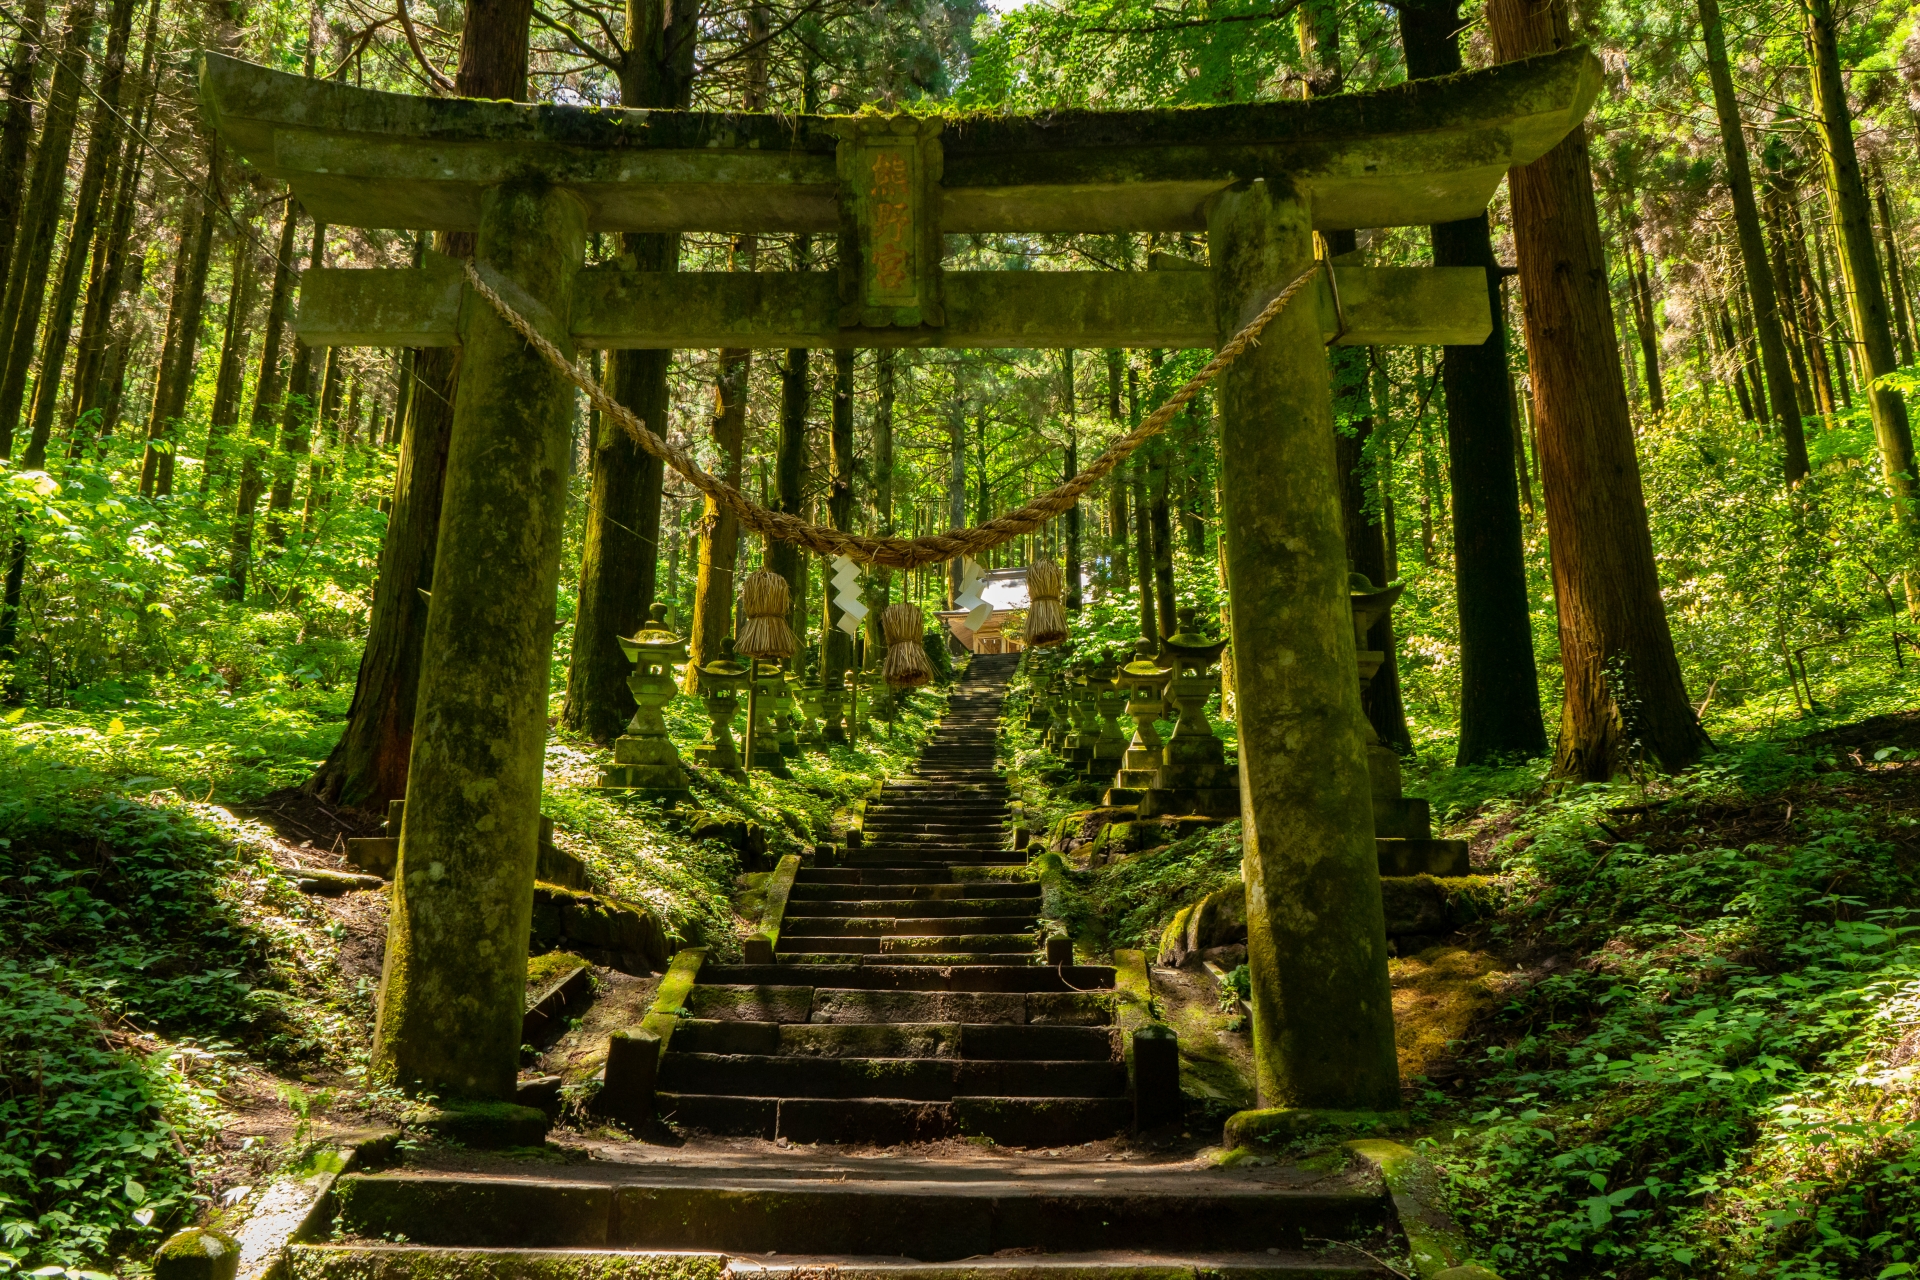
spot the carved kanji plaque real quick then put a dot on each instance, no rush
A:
(889, 168)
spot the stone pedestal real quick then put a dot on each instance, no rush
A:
(786, 715)
(1076, 746)
(1144, 679)
(833, 716)
(453, 989)
(1316, 937)
(810, 698)
(644, 758)
(766, 731)
(1193, 778)
(723, 686)
(1110, 743)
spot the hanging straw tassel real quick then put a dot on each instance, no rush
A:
(765, 633)
(1046, 619)
(906, 666)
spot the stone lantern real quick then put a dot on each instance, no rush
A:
(809, 696)
(1076, 746)
(767, 752)
(723, 684)
(644, 759)
(1193, 777)
(786, 713)
(1109, 703)
(1144, 679)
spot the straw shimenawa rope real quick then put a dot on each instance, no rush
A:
(896, 553)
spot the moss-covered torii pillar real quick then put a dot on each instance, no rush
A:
(452, 990)
(1316, 935)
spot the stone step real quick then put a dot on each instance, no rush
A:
(816, 894)
(877, 977)
(928, 1217)
(1012, 1122)
(957, 871)
(910, 1079)
(906, 854)
(1028, 957)
(923, 907)
(980, 1041)
(417, 1262)
(890, 926)
(798, 1003)
(955, 944)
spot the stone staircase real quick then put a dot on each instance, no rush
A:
(910, 1000)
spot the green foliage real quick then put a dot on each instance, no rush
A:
(115, 912)
(1718, 1084)
(1127, 903)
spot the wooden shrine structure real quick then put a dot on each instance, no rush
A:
(533, 180)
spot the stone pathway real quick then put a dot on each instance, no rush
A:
(910, 1006)
(911, 1000)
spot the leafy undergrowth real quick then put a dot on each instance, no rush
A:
(1128, 903)
(178, 1022)
(157, 968)
(1704, 1061)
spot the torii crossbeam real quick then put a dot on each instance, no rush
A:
(533, 180)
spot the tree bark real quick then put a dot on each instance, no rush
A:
(1896, 276)
(110, 257)
(40, 220)
(1866, 295)
(233, 358)
(619, 565)
(836, 646)
(956, 475)
(266, 394)
(1500, 685)
(1640, 291)
(368, 765)
(1780, 403)
(789, 471)
(17, 133)
(103, 140)
(1070, 465)
(713, 590)
(183, 330)
(297, 418)
(881, 593)
(1624, 692)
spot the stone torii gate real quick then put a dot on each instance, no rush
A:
(532, 181)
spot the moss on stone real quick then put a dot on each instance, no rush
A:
(197, 1253)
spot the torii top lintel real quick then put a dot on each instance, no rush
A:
(1422, 152)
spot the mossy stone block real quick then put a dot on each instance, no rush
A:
(482, 1124)
(197, 1253)
(1283, 1124)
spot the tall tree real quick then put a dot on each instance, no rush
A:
(1866, 293)
(173, 381)
(1762, 293)
(1070, 467)
(266, 394)
(1624, 692)
(111, 251)
(836, 647)
(620, 561)
(297, 417)
(103, 144)
(225, 412)
(40, 219)
(1499, 683)
(368, 765)
(16, 134)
